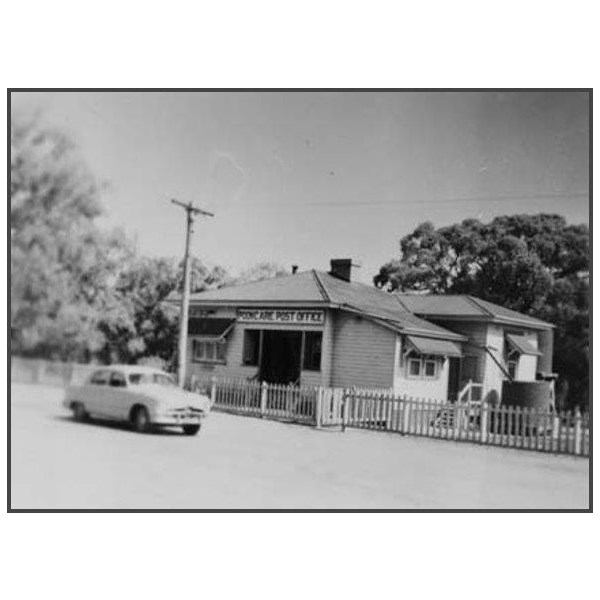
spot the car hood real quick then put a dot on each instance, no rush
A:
(172, 397)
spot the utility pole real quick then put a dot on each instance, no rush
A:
(191, 211)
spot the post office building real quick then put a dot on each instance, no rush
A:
(321, 328)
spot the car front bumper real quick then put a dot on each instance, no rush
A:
(179, 419)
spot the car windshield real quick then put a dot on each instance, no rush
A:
(144, 378)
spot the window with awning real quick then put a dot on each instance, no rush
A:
(425, 356)
(209, 338)
(433, 347)
(521, 345)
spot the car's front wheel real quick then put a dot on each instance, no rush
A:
(191, 429)
(140, 419)
(79, 412)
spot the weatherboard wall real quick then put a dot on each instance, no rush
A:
(362, 353)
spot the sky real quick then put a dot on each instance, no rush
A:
(302, 177)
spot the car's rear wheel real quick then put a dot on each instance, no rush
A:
(140, 419)
(191, 429)
(79, 411)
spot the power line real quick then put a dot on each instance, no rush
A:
(444, 201)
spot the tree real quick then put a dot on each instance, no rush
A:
(143, 290)
(78, 292)
(535, 264)
(62, 266)
(204, 277)
(147, 329)
(260, 271)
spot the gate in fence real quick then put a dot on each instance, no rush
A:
(331, 403)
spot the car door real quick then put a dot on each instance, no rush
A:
(93, 392)
(118, 400)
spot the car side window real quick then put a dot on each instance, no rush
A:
(99, 377)
(117, 379)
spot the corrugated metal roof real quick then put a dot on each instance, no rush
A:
(467, 307)
(299, 287)
(320, 288)
(436, 347)
(522, 345)
(440, 305)
(507, 313)
(376, 303)
(398, 310)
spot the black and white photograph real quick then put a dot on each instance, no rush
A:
(300, 299)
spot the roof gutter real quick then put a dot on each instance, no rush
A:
(541, 325)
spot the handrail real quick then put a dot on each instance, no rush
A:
(463, 391)
(468, 389)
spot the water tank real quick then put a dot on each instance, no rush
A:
(529, 394)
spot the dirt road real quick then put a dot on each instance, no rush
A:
(239, 462)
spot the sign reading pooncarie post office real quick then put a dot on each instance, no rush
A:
(295, 317)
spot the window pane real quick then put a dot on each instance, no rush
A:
(312, 350)
(99, 378)
(205, 350)
(117, 379)
(430, 368)
(414, 367)
(251, 346)
(210, 350)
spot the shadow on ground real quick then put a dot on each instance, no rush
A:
(117, 426)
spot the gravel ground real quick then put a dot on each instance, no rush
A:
(239, 462)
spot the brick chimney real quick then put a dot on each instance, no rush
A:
(342, 268)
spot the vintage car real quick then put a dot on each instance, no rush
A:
(143, 396)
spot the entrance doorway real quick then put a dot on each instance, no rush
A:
(281, 354)
(453, 379)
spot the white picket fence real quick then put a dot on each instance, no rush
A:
(513, 427)
(380, 410)
(272, 401)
